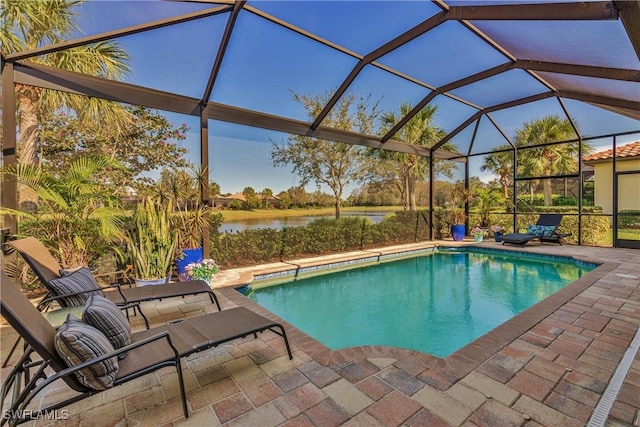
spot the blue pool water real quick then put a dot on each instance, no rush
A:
(435, 303)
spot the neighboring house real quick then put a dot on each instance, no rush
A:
(272, 201)
(225, 201)
(627, 159)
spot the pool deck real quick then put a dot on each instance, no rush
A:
(548, 366)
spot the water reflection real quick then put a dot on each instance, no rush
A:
(293, 221)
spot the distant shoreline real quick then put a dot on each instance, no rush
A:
(230, 215)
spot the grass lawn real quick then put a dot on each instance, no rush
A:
(628, 234)
(230, 215)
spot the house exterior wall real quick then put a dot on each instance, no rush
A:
(629, 191)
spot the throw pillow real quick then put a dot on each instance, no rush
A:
(535, 230)
(78, 281)
(78, 342)
(548, 230)
(105, 316)
(69, 271)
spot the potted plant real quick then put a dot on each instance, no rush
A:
(457, 215)
(151, 243)
(203, 270)
(485, 200)
(191, 217)
(457, 218)
(190, 225)
(498, 231)
(478, 234)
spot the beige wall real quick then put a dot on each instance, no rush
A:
(629, 186)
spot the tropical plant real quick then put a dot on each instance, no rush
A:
(538, 158)
(27, 25)
(152, 243)
(456, 204)
(485, 200)
(76, 217)
(191, 217)
(252, 201)
(265, 195)
(419, 130)
(501, 163)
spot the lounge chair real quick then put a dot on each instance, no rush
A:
(148, 351)
(47, 268)
(545, 230)
(57, 316)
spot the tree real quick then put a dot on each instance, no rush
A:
(252, 201)
(334, 164)
(177, 185)
(77, 217)
(375, 193)
(320, 199)
(485, 200)
(383, 173)
(214, 190)
(298, 196)
(419, 130)
(27, 25)
(501, 164)
(266, 194)
(147, 143)
(181, 188)
(285, 200)
(547, 160)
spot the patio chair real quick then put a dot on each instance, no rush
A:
(544, 230)
(148, 351)
(47, 268)
(57, 316)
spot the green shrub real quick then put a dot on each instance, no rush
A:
(322, 236)
(630, 220)
(564, 201)
(327, 235)
(251, 246)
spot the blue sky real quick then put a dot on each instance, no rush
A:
(266, 63)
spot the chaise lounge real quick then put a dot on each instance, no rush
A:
(47, 268)
(78, 354)
(544, 230)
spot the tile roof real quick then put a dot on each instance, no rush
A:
(628, 150)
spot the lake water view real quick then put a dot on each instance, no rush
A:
(278, 223)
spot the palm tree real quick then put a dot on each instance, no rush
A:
(266, 195)
(77, 216)
(181, 188)
(419, 130)
(501, 163)
(30, 24)
(547, 160)
(485, 200)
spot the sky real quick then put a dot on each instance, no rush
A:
(265, 64)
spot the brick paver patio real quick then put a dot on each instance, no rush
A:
(548, 366)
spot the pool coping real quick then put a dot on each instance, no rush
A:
(454, 366)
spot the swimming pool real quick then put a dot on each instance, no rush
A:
(434, 303)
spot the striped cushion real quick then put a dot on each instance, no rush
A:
(70, 271)
(77, 342)
(105, 316)
(78, 281)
